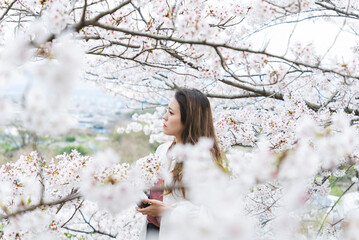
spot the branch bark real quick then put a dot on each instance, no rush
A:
(337, 10)
(218, 45)
(8, 9)
(68, 198)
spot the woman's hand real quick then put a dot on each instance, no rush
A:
(157, 208)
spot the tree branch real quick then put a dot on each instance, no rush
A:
(84, 23)
(238, 96)
(219, 45)
(337, 10)
(72, 216)
(94, 230)
(334, 205)
(83, 17)
(8, 9)
(68, 198)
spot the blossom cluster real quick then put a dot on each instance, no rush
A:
(150, 169)
(289, 101)
(107, 187)
(260, 196)
(30, 180)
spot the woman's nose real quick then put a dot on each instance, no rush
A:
(165, 117)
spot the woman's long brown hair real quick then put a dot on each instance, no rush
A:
(196, 117)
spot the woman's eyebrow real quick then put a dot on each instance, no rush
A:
(170, 108)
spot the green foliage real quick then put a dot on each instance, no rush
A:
(132, 146)
(338, 185)
(140, 111)
(72, 236)
(70, 139)
(118, 137)
(336, 191)
(81, 149)
(6, 147)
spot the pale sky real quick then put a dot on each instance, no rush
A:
(322, 34)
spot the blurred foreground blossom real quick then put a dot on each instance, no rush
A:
(351, 227)
(216, 207)
(278, 92)
(109, 183)
(149, 167)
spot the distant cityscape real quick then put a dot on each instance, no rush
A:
(91, 108)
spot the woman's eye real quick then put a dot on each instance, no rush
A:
(171, 113)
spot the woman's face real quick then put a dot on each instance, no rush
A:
(172, 124)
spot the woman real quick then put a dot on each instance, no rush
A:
(188, 118)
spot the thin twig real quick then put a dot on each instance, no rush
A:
(8, 9)
(332, 208)
(68, 198)
(76, 209)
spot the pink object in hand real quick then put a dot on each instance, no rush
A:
(157, 195)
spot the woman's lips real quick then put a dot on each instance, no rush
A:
(164, 125)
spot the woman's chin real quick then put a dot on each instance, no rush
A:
(167, 133)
